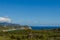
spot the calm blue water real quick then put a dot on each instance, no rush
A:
(44, 27)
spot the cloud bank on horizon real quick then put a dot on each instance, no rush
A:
(5, 19)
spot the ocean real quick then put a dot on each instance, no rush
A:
(44, 27)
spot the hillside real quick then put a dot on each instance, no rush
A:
(10, 26)
(53, 34)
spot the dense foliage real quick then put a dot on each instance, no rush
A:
(31, 35)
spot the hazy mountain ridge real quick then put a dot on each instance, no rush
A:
(11, 26)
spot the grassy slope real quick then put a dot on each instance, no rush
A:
(30, 35)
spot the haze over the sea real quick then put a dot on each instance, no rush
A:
(31, 12)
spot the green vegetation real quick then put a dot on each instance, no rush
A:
(53, 34)
(10, 32)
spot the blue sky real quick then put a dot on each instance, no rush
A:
(31, 12)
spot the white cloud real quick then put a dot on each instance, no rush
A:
(5, 19)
